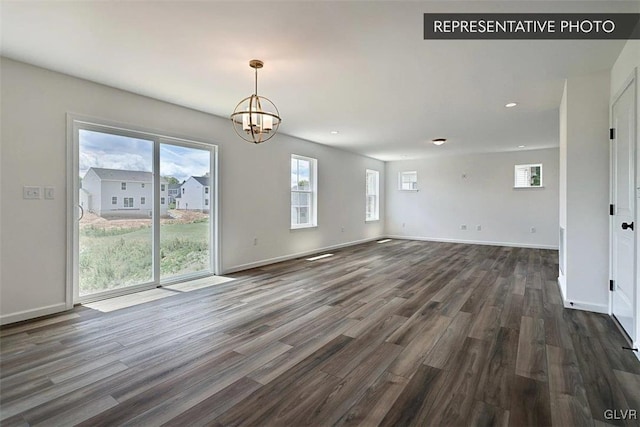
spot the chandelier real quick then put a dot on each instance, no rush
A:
(255, 118)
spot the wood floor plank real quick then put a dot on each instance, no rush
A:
(569, 405)
(484, 414)
(414, 353)
(498, 375)
(601, 385)
(532, 360)
(530, 404)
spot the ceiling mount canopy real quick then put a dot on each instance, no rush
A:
(256, 119)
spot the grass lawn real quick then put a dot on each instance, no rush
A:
(114, 258)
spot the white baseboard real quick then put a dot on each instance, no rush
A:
(474, 242)
(5, 319)
(586, 306)
(260, 263)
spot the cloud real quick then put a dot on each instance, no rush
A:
(104, 150)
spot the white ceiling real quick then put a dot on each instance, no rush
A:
(361, 68)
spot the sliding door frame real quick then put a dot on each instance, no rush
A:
(75, 123)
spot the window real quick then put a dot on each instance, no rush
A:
(162, 200)
(114, 200)
(303, 192)
(142, 185)
(527, 176)
(162, 187)
(128, 202)
(142, 200)
(408, 181)
(373, 195)
(206, 190)
(206, 202)
(183, 191)
(123, 185)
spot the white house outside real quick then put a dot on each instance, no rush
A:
(195, 194)
(121, 193)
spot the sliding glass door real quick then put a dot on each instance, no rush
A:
(185, 241)
(115, 229)
(142, 210)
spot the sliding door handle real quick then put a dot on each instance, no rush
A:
(625, 225)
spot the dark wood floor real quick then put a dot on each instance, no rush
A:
(393, 334)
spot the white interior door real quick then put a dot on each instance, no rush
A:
(623, 226)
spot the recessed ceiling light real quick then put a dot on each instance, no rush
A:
(334, 132)
(439, 141)
(521, 146)
(511, 104)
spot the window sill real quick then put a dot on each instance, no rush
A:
(371, 220)
(302, 227)
(528, 188)
(408, 191)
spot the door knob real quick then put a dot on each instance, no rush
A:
(625, 225)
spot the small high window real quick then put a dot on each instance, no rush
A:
(408, 181)
(526, 176)
(123, 185)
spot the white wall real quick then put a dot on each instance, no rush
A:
(586, 140)
(486, 197)
(254, 183)
(627, 63)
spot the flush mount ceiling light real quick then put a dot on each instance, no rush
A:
(256, 119)
(334, 132)
(439, 141)
(521, 146)
(511, 104)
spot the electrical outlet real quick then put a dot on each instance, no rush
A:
(342, 229)
(49, 193)
(255, 241)
(403, 224)
(478, 227)
(31, 193)
(463, 227)
(533, 229)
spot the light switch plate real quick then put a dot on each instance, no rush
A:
(49, 193)
(31, 193)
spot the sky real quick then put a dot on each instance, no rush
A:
(109, 151)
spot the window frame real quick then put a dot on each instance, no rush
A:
(114, 200)
(123, 185)
(528, 167)
(128, 202)
(313, 192)
(376, 216)
(401, 174)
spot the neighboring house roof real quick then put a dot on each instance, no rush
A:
(175, 186)
(204, 180)
(123, 175)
